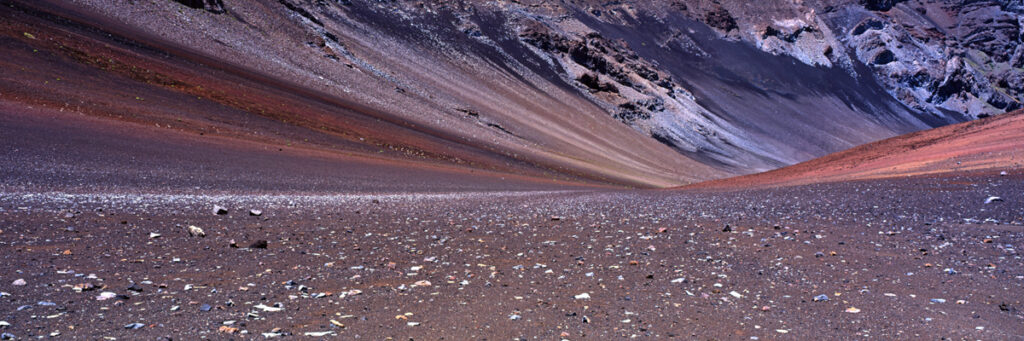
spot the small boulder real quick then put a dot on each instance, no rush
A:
(195, 231)
(220, 210)
(259, 244)
(81, 287)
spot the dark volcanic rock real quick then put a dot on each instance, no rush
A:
(879, 5)
(720, 18)
(259, 244)
(884, 57)
(212, 6)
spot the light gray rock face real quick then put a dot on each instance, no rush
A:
(934, 67)
(945, 58)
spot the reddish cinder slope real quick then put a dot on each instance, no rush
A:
(989, 144)
(48, 150)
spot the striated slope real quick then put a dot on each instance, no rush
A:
(46, 150)
(989, 145)
(659, 93)
(253, 91)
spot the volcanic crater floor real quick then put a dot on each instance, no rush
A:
(907, 258)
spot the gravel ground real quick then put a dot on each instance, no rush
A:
(916, 258)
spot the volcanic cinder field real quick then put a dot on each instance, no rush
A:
(207, 169)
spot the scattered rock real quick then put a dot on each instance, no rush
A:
(277, 307)
(993, 199)
(583, 296)
(318, 334)
(821, 298)
(19, 282)
(134, 326)
(259, 244)
(220, 210)
(255, 213)
(195, 231)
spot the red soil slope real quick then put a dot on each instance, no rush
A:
(986, 145)
(48, 150)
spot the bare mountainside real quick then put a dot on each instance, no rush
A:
(644, 94)
(988, 146)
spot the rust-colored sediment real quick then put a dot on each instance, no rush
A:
(991, 144)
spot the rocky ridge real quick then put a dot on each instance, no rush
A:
(939, 57)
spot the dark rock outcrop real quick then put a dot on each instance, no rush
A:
(212, 6)
(721, 19)
(879, 5)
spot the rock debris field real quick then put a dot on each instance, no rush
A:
(914, 258)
